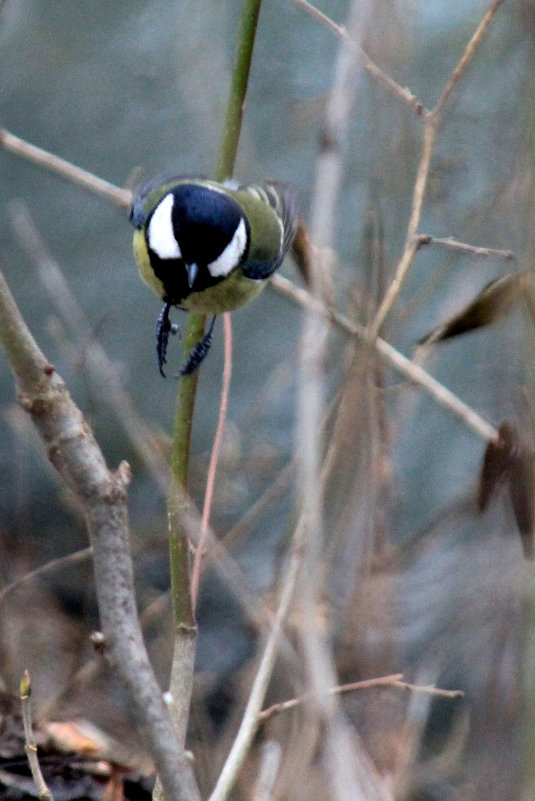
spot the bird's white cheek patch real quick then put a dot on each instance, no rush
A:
(160, 233)
(229, 258)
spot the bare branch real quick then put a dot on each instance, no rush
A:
(351, 772)
(428, 688)
(395, 680)
(371, 68)
(250, 718)
(411, 241)
(214, 458)
(292, 703)
(466, 57)
(30, 745)
(50, 567)
(121, 197)
(101, 493)
(463, 247)
(441, 394)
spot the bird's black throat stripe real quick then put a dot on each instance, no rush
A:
(174, 277)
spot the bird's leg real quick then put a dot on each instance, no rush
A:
(164, 327)
(199, 352)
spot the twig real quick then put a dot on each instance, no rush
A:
(250, 11)
(463, 247)
(466, 57)
(350, 773)
(428, 688)
(441, 394)
(50, 567)
(249, 723)
(18, 146)
(292, 703)
(371, 68)
(30, 746)
(214, 458)
(311, 377)
(255, 612)
(395, 680)
(411, 240)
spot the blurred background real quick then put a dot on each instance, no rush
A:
(419, 583)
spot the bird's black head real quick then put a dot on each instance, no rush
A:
(196, 236)
(205, 221)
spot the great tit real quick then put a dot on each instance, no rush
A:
(208, 247)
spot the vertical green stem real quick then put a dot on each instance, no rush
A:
(181, 678)
(183, 422)
(180, 450)
(238, 89)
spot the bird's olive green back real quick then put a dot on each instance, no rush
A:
(264, 223)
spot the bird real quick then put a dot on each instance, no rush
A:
(208, 247)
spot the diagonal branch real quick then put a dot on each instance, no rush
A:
(469, 53)
(394, 680)
(441, 394)
(371, 68)
(411, 240)
(19, 147)
(250, 720)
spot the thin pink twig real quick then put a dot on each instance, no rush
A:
(214, 458)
